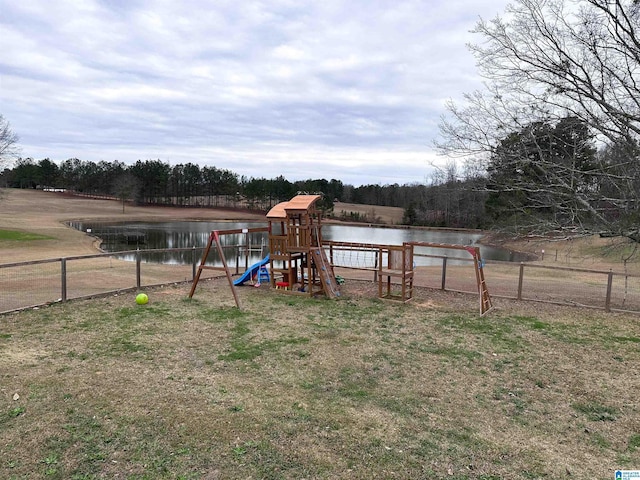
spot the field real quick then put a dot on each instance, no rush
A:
(292, 388)
(369, 213)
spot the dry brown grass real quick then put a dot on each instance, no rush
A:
(293, 387)
(589, 252)
(372, 213)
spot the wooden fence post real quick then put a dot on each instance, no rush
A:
(607, 301)
(138, 261)
(378, 257)
(194, 260)
(444, 273)
(520, 281)
(63, 279)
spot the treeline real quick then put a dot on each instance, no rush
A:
(447, 202)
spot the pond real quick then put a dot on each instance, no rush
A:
(118, 237)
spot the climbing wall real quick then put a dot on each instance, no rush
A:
(325, 272)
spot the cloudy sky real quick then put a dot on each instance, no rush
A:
(344, 89)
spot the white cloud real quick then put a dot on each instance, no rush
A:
(346, 90)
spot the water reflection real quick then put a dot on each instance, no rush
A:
(239, 249)
(195, 235)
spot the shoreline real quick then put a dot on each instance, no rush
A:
(48, 213)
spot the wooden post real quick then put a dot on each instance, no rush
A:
(138, 277)
(226, 269)
(63, 279)
(444, 273)
(375, 271)
(202, 263)
(607, 301)
(194, 261)
(379, 267)
(246, 248)
(520, 280)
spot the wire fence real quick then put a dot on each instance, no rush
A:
(36, 283)
(606, 290)
(525, 281)
(42, 282)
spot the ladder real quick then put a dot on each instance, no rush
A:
(483, 292)
(263, 275)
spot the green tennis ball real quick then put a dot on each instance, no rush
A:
(142, 299)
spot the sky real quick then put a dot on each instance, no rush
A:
(351, 90)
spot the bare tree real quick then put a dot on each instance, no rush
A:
(125, 188)
(548, 60)
(8, 143)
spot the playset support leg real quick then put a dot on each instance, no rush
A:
(214, 237)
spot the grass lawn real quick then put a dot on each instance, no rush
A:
(292, 387)
(16, 236)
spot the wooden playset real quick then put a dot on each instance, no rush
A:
(298, 263)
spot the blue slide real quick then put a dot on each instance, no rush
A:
(253, 270)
